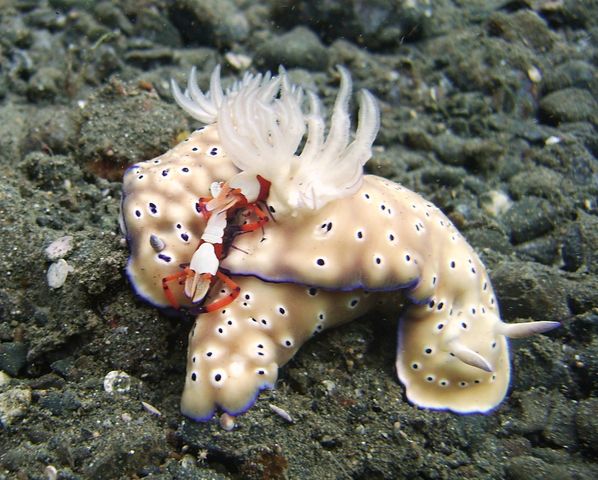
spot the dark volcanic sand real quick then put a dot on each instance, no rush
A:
(491, 96)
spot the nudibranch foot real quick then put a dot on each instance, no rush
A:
(235, 352)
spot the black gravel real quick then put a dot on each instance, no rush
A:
(476, 97)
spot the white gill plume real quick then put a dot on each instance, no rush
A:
(261, 124)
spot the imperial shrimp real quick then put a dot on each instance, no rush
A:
(240, 195)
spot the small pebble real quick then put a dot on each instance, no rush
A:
(227, 422)
(59, 248)
(238, 61)
(552, 140)
(187, 461)
(496, 203)
(51, 472)
(330, 386)
(4, 378)
(58, 272)
(534, 74)
(13, 404)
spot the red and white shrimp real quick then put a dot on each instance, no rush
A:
(241, 195)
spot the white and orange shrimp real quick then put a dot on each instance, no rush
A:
(241, 194)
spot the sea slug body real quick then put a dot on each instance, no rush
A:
(340, 243)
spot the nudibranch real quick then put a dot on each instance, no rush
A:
(340, 244)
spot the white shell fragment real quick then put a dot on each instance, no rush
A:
(238, 60)
(552, 140)
(57, 273)
(534, 74)
(59, 248)
(281, 413)
(496, 203)
(14, 404)
(149, 408)
(117, 381)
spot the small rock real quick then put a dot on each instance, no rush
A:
(113, 17)
(530, 468)
(13, 357)
(58, 272)
(496, 203)
(227, 422)
(299, 48)
(587, 424)
(560, 428)
(575, 73)
(50, 172)
(151, 24)
(572, 249)
(146, 58)
(60, 402)
(59, 248)
(52, 129)
(209, 22)
(47, 381)
(377, 23)
(475, 153)
(63, 366)
(529, 289)
(579, 244)
(540, 182)
(529, 218)
(543, 250)
(568, 105)
(45, 84)
(444, 176)
(523, 26)
(13, 404)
